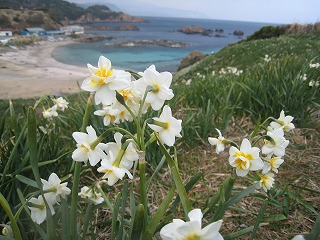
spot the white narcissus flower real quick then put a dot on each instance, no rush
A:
(284, 122)
(218, 142)
(272, 164)
(61, 103)
(160, 82)
(167, 126)
(245, 159)
(39, 212)
(91, 194)
(180, 230)
(278, 144)
(83, 153)
(109, 115)
(50, 112)
(113, 171)
(104, 81)
(130, 153)
(57, 188)
(266, 181)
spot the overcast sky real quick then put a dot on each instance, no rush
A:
(270, 11)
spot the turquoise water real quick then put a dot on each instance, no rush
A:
(165, 58)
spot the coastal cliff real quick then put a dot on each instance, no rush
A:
(51, 14)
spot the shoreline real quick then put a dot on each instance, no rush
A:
(32, 72)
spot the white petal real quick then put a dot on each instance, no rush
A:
(245, 145)
(212, 231)
(189, 228)
(195, 216)
(104, 63)
(80, 137)
(256, 164)
(80, 155)
(105, 95)
(88, 86)
(92, 133)
(167, 138)
(241, 173)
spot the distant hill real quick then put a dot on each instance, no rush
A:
(64, 12)
(20, 19)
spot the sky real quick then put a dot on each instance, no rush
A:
(267, 11)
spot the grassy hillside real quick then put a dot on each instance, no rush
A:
(240, 80)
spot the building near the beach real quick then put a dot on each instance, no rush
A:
(72, 29)
(55, 33)
(33, 31)
(5, 33)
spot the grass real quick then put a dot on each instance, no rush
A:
(230, 102)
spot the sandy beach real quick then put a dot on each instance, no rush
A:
(32, 72)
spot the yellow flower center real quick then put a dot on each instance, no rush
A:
(125, 94)
(102, 72)
(192, 236)
(86, 149)
(156, 88)
(242, 154)
(243, 164)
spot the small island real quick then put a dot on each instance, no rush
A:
(193, 29)
(140, 43)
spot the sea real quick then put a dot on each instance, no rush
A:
(138, 58)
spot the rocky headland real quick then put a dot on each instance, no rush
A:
(128, 27)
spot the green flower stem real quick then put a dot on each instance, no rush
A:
(76, 176)
(105, 198)
(176, 178)
(139, 131)
(143, 188)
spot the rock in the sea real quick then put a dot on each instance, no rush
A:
(195, 30)
(238, 32)
(192, 58)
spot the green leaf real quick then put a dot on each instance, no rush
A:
(86, 220)
(241, 232)
(115, 215)
(259, 218)
(241, 195)
(275, 218)
(299, 199)
(151, 228)
(32, 142)
(27, 181)
(315, 231)
(7, 209)
(137, 223)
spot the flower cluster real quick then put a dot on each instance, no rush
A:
(54, 190)
(314, 65)
(268, 159)
(60, 104)
(267, 58)
(230, 70)
(106, 83)
(91, 194)
(123, 98)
